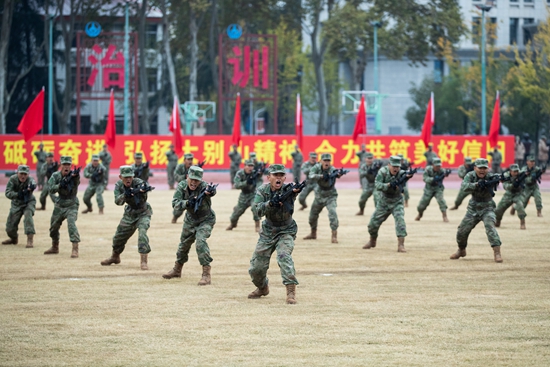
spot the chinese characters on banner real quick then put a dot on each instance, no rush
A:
(271, 149)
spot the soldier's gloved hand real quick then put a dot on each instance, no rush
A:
(516, 183)
(250, 180)
(482, 184)
(191, 202)
(274, 202)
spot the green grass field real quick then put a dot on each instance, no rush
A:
(355, 307)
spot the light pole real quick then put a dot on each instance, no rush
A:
(126, 71)
(484, 8)
(376, 25)
(50, 77)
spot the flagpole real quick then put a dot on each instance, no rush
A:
(366, 118)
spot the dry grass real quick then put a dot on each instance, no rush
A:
(355, 307)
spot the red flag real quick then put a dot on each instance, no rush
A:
(429, 122)
(360, 121)
(495, 123)
(110, 130)
(33, 120)
(237, 122)
(299, 123)
(175, 128)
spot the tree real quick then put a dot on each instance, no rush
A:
(7, 14)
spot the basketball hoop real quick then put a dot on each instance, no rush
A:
(201, 120)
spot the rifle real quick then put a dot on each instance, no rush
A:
(519, 181)
(470, 167)
(139, 170)
(438, 179)
(52, 169)
(197, 201)
(278, 199)
(492, 184)
(399, 183)
(538, 175)
(26, 191)
(137, 191)
(260, 171)
(373, 170)
(97, 176)
(201, 163)
(67, 181)
(331, 178)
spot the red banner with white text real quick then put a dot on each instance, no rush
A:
(214, 149)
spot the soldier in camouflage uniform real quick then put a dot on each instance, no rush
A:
(430, 155)
(325, 196)
(137, 215)
(172, 158)
(496, 160)
(278, 234)
(390, 201)
(367, 174)
(531, 185)
(297, 161)
(47, 170)
(513, 195)
(64, 182)
(462, 171)
(40, 155)
(405, 165)
(181, 175)
(236, 160)
(247, 183)
(94, 171)
(481, 208)
(19, 190)
(310, 185)
(106, 159)
(197, 225)
(361, 155)
(432, 189)
(141, 169)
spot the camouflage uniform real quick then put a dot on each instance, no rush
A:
(20, 206)
(106, 159)
(496, 162)
(47, 171)
(430, 190)
(246, 197)
(66, 206)
(462, 171)
(481, 208)
(405, 165)
(310, 184)
(236, 160)
(40, 161)
(325, 196)
(362, 154)
(513, 195)
(180, 174)
(297, 160)
(430, 155)
(172, 158)
(390, 201)
(141, 171)
(278, 234)
(367, 182)
(532, 187)
(96, 185)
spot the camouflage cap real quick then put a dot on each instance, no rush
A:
(66, 159)
(514, 167)
(395, 161)
(126, 171)
(312, 155)
(467, 160)
(326, 157)
(252, 155)
(369, 155)
(104, 145)
(49, 154)
(188, 156)
(436, 161)
(277, 168)
(531, 158)
(249, 162)
(23, 169)
(195, 173)
(400, 155)
(95, 157)
(482, 163)
(138, 155)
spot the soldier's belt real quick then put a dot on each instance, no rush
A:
(199, 214)
(482, 200)
(279, 224)
(391, 195)
(326, 188)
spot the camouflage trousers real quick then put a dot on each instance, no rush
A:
(177, 213)
(296, 174)
(406, 195)
(59, 215)
(368, 190)
(310, 186)
(127, 227)
(40, 178)
(91, 190)
(478, 212)
(429, 193)
(14, 217)
(196, 231)
(532, 191)
(507, 200)
(384, 208)
(45, 193)
(232, 172)
(318, 204)
(245, 200)
(106, 174)
(460, 197)
(170, 171)
(280, 239)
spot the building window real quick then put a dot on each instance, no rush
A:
(151, 36)
(152, 79)
(438, 71)
(527, 35)
(514, 1)
(528, 1)
(514, 22)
